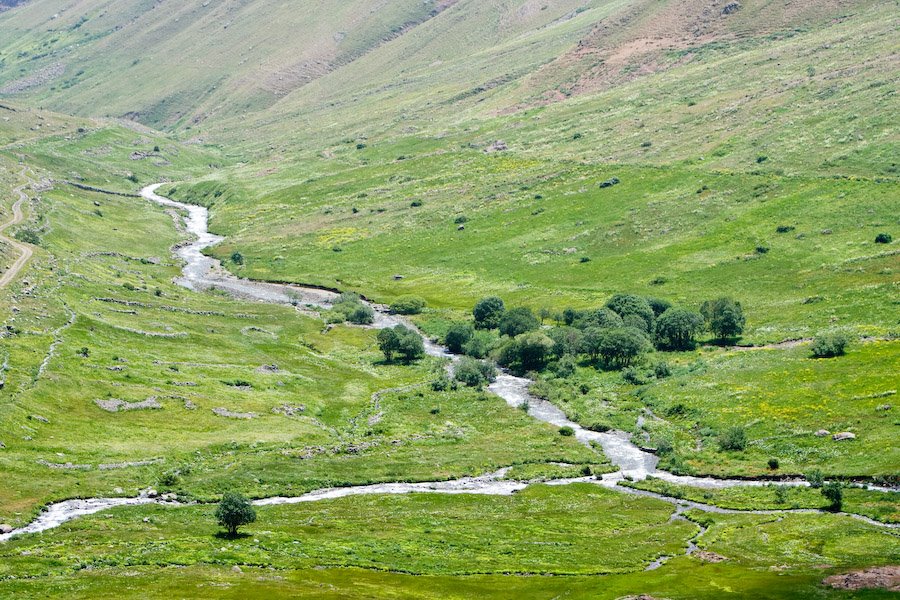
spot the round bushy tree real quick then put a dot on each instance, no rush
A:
(488, 312)
(458, 336)
(677, 327)
(734, 438)
(630, 304)
(401, 341)
(517, 321)
(233, 511)
(603, 318)
(620, 347)
(725, 317)
(474, 373)
(829, 345)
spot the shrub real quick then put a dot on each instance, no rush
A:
(565, 367)
(662, 370)
(602, 317)
(734, 438)
(442, 384)
(361, 315)
(781, 494)
(677, 327)
(474, 373)
(566, 340)
(401, 340)
(408, 305)
(488, 312)
(458, 336)
(724, 316)
(28, 236)
(830, 345)
(773, 464)
(815, 479)
(634, 376)
(84, 352)
(659, 305)
(237, 258)
(883, 238)
(566, 431)
(833, 492)
(480, 345)
(785, 228)
(517, 321)
(233, 511)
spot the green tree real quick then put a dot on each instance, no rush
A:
(480, 344)
(361, 314)
(388, 343)
(725, 317)
(237, 258)
(620, 347)
(630, 304)
(591, 342)
(488, 312)
(677, 327)
(834, 493)
(233, 511)
(410, 345)
(458, 336)
(603, 318)
(517, 321)
(566, 340)
(528, 352)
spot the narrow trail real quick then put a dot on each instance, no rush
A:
(25, 250)
(202, 272)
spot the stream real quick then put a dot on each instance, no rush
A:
(201, 273)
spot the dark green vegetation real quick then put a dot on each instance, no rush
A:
(547, 155)
(234, 511)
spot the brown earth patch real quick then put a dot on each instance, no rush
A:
(882, 578)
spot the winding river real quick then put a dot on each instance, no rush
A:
(201, 273)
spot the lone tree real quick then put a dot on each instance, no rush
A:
(488, 312)
(834, 493)
(725, 317)
(518, 321)
(402, 341)
(830, 345)
(234, 510)
(677, 327)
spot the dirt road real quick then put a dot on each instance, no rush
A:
(25, 251)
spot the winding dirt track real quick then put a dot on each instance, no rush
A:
(25, 251)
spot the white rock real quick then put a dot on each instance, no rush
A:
(822, 433)
(844, 435)
(4, 529)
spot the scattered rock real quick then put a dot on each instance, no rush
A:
(708, 556)
(224, 412)
(844, 435)
(4, 529)
(64, 466)
(822, 433)
(289, 410)
(498, 146)
(398, 277)
(118, 490)
(273, 368)
(170, 497)
(38, 418)
(461, 228)
(151, 493)
(116, 405)
(731, 8)
(885, 578)
(236, 569)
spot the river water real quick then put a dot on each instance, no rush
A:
(201, 272)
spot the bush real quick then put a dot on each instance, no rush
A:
(634, 376)
(566, 431)
(237, 258)
(408, 305)
(361, 315)
(28, 236)
(774, 464)
(458, 336)
(883, 238)
(734, 438)
(662, 370)
(528, 352)
(234, 510)
(517, 321)
(815, 479)
(724, 316)
(349, 307)
(488, 312)
(442, 384)
(565, 367)
(830, 345)
(833, 492)
(603, 318)
(401, 340)
(474, 373)
(659, 305)
(480, 345)
(677, 327)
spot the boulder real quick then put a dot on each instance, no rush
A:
(731, 8)
(4, 529)
(844, 435)
(822, 433)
